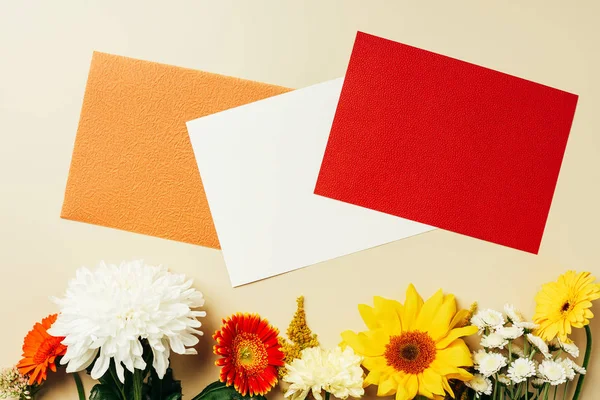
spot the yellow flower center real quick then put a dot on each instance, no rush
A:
(411, 352)
(250, 353)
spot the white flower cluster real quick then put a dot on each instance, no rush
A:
(502, 359)
(334, 371)
(106, 312)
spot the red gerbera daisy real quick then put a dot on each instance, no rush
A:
(250, 352)
(40, 351)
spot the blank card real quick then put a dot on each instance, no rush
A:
(133, 166)
(447, 143)
(259, 164)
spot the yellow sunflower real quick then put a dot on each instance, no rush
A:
(413, 348)
(564, 304)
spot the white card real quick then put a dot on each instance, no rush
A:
(259, 165)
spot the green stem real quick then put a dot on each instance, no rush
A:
(527, 389)
(555, 391)
(137, 384)
(79, 384)
(586, 361)
(117, 382)
(496, 387)
(565, 392)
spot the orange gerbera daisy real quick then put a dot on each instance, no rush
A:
(250, 351)
(40, 351)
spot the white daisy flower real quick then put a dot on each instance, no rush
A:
(510, 332)
(539, 343)
(513, 314)
(569, 370)
(478, 356)
(577, 368)
(516, 349)
(487, 319)
(521, 369)
(552, 372)
(491, 363)
(528, 326)
(537, 383)
(505, 380)
(335, 371)
(480, 384)
(493, 341)
(570, 348)
(108, 311)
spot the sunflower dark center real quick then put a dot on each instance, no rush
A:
(565, 307)
(411, 352)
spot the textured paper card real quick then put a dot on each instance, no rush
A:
(447, 143)
(133, 167)
(259, 164)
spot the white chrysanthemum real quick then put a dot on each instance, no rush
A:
(493, 341)
(491, 363)
(513, 314)
(570, 348)
(510, 332)
(106, 312)
(539, 344)
(552, 372)
(504, 379)
(487, 319)
(480, 384)
(335, 371)
(567, 365)
(521, 369)
(478, 356)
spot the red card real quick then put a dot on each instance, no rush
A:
(446, 143)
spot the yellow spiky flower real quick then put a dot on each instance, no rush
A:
(299, 335)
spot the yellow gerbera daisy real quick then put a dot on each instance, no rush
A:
(413, 348)
(564, 304)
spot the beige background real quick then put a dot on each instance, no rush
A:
(45, 50)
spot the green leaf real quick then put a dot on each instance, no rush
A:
(166, 388)
(104, 392)
(219, 391)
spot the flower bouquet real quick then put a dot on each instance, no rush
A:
(121, 324)
(535, 360)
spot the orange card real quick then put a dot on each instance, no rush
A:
(133, 167)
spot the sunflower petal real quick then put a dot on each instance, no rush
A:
(367, 313)
(412, 307)
(387, 387)
(455, 334)
(456, 354)
(368, 344)
(426, 318)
